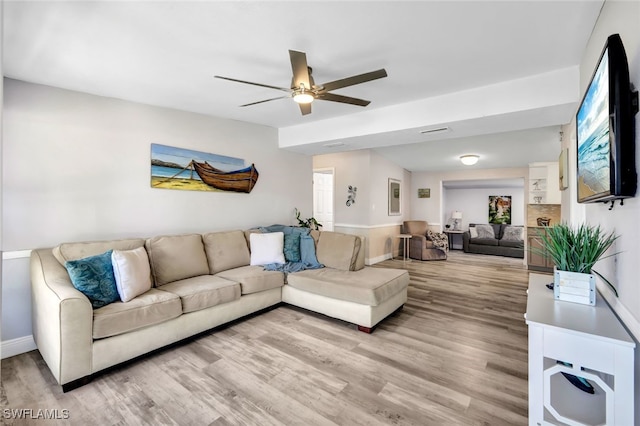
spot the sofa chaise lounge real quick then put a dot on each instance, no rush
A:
(198, 282)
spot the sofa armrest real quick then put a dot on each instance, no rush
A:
(466, 237)
(62, 319)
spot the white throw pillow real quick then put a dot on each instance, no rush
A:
(267, 248)
(474, 232)
(132, 271)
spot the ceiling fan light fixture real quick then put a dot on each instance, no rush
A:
(303, 96)
(469, 159)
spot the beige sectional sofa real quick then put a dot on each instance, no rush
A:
(198, 282)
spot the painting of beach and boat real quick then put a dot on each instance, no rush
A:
(185, 169)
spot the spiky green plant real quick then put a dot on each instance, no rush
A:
(577, 249)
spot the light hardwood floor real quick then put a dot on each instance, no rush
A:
(456, 354)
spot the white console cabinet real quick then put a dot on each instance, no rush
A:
(599, 349)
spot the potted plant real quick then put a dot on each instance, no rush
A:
(574, 251)
(310, 222)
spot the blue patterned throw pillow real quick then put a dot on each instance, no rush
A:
(292, 247)
(94, 277)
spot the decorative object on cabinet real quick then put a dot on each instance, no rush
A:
(563, 170)
(351, 195)
(575, 250)
(500, 209)
(543, 221)
(395, 204)
(424, 192)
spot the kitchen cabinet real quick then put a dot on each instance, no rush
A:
(537, 258)
(544, 183)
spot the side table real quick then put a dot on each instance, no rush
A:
(450, 235)
(406, 238)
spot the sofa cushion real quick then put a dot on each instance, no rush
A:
(226, 250)
(132, 272)
(337, 250)
(484, 241)
(74, 251)
(368, 286)
(176, 257)
(203, 292)
(93, 277)
(508, 243)
(253, 279)
(149, 308)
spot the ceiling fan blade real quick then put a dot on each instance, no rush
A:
(356, 79)
(266, 100)
(300, 69)
(255, 84)
(343, 99)
(305, 109)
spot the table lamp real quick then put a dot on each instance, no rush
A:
(457, 218)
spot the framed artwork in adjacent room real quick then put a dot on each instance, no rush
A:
(395, 201)
(500, 209)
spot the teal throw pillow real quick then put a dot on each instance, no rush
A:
(94, 277)
(292, 247)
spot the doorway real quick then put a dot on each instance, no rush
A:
(323, 189)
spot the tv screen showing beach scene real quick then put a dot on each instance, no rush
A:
(593, 136)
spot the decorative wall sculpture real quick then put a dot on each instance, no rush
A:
(351, 195)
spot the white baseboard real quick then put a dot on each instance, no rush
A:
(378, 259)
(17, 346)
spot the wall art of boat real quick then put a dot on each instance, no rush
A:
(242, 180)
(190, 170)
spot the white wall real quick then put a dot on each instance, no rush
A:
(620, 17)
(474, 204)
(76, 167)
(370, 173)
(432, 209)
(351, 168)
(369, 216)
(1, 108)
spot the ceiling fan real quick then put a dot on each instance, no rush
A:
(304, 90)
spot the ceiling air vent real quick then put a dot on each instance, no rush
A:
(435, 130)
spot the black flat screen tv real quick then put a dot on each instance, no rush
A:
(606, 130)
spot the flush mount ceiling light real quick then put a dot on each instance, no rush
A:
(469, 159)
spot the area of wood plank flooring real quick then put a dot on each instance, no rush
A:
(456, 354)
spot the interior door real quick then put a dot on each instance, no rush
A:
(323, 198)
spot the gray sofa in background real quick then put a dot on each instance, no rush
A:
(503, 243)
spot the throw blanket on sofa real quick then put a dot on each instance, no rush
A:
(439, 240)
(308, 259)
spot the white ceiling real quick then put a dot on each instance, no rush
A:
(166, 53)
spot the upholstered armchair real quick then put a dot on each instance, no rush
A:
(425, 244)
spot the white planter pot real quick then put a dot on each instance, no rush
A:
(574, 287)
